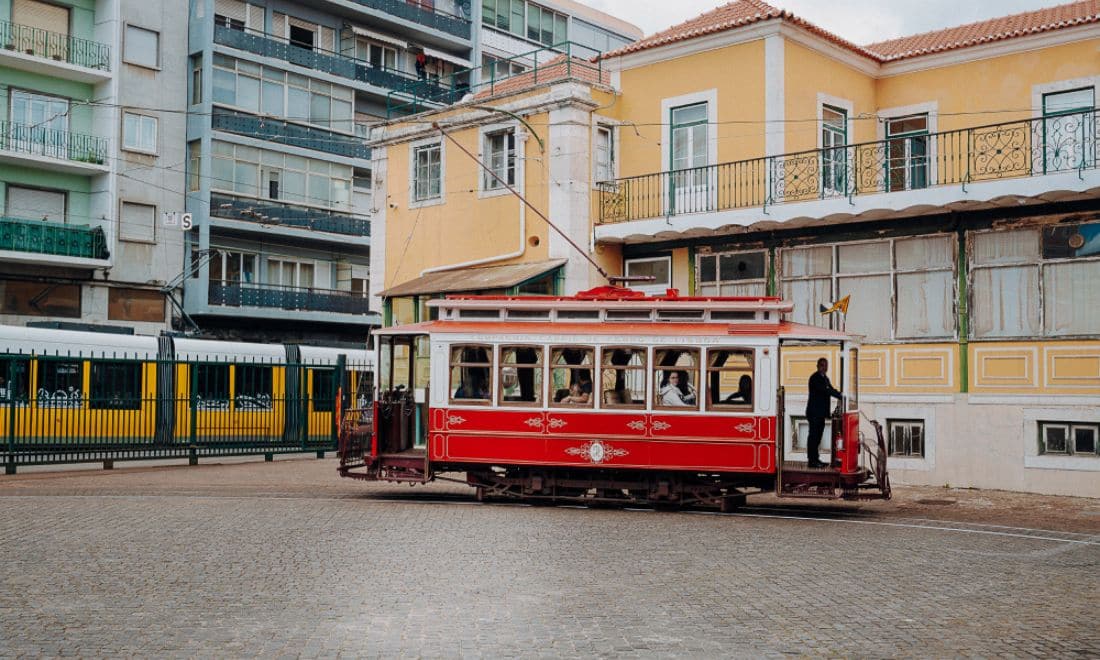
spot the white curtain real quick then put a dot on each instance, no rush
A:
(807, 295)
(926, 305)
(869, 309)
(1005, 247)
(1005, 301)
(1070, 302)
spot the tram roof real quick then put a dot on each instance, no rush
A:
(614, 297)
(781, 330)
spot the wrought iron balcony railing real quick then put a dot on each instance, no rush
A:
(295, 135)
(425, 13)
(52, 143)
(270, 212)
(40, 237)
(242, 294)
(54, 46)
(1025, 148)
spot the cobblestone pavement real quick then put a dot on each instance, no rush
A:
(286, 559)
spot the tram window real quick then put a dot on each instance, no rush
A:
(115, 386)
(520, 375)
(385, 362)
(212, 392)
(14, 379)
(676, 374)
(622, 377)
(253, 387)
(323, 386)
(578, 315)
(729, 379)
(470, 369)
(60, 383)
(853, 379)
(571, 376)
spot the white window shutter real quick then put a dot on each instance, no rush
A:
(137, 222)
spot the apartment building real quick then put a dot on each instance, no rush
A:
(947, 182)
(278, 177)
(91, 153)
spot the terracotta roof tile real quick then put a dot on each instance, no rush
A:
(552, 70)
(746, 12)
(995, 29)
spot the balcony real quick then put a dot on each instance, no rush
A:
(423, 13)
(240, 294)
(295, 135)
(1063, 144)
(39, 146)
(259, 43)
(270, 212)
(39, 51)
(46, 238)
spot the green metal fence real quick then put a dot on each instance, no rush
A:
(71, 408)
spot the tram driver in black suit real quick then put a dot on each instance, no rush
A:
(817, 410)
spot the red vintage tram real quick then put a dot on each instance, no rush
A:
(609, 394)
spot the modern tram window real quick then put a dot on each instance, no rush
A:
(470, 369)
(520, 375)
(622, 377)
(252, 384)
(115, 386)
(571, 376)
(212, 391)
(676, 378)
(323, 385)
(14, 379)
(60, 383)
(729, 379)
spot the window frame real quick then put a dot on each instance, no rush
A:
(489, 366)
(906, 424)
(640, 349)
(834, 155)
(126, 43)
(718, 281)
(653, 287)
(1070, 429)
(539, 367)
(427, 145)
(509, 170)
(707, 369)
(612, 165)
(132, 238)
(551, 367)
(76, 398)
(133, 375)
(655, 370)
(142, 127)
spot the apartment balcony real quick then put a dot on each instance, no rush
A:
(271, 296)
(47, 243)
(957, 169)
(343, 66)
(50, 53)
(52, 149)
(423, 13)
(295, 135)
(274, 215)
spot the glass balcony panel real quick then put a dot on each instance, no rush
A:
(38, 237)
(273, 296)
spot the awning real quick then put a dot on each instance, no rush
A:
(364, 32)
(473, 279)
(453, 59)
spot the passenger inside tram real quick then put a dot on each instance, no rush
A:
(743, 393)
(676, 390)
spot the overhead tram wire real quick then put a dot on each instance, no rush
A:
(599, 269)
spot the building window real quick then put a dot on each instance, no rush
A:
(907, 154)
(605, 153)
(39, 125)
(1069, 438)
(291, 274)
(1035, 282)
(1068, 138)
(137, 222)
(194, 161)
(231, 268)
(500, 153)
(139, 132)
(237, 169)
(906, 437)
(732, 274)
(689, 155)
(382, 57)
(496, 68)
(900, 288)
(657, 268)
(141, 47)
(360, 286)
(36, 204)
(196, 79)
(428, 172)
(834, 153)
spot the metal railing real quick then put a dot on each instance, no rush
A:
(52, 143)
(1024, 148)
(424, 13)
(272, 212)
(244, 294)
(559, 61)
(55, 46)
(69, 407)
(284, 132)
(41, 237)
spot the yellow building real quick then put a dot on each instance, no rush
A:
(946, 181)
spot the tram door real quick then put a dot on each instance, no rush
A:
(403, 385)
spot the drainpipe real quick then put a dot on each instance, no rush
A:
(500, 257)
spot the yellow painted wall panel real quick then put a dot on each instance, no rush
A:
(874, 368)
(1072, 368)
(809, 73)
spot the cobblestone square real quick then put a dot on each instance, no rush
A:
(285, 559)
